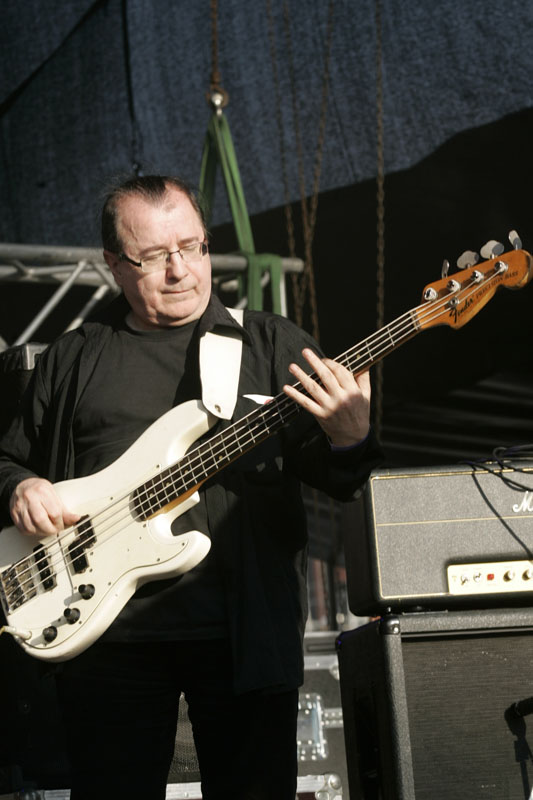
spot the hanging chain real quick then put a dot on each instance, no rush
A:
(215, 74)
(380, 198)
(216, 96)
(136, 142)
(283, 155)
(309, 212)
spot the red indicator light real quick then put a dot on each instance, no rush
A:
(490, 576)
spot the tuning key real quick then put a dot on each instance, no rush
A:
(445, 268)
(467, 259)
(492, 249)
(515, 240)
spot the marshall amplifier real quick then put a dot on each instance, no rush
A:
(442, 537)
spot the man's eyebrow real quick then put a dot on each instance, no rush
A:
(189, 240)
(154, 248)
(157, 248)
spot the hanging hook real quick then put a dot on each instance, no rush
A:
(217, 97)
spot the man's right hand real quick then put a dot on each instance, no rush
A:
(37, 510)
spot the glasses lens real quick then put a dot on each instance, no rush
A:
(193, 252)
(190, 252)
(154, 263)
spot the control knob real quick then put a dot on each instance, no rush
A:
(72, 615)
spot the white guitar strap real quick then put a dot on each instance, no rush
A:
(220, 367)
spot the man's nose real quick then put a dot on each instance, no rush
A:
(176, 266)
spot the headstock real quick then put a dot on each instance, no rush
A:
(455, 299)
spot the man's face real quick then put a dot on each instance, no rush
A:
(177, 294)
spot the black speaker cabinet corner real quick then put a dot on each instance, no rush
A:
(428, 703)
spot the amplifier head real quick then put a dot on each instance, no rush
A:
(442, 537)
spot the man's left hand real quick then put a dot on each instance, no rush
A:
(340, 402)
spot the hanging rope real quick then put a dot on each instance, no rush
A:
(380, 198)
(309, 206)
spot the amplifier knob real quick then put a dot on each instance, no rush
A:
(509, 575)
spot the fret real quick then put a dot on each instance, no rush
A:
(145, 499)
(207, 461)
(223, 456)
(168, 485)
(415, 322)
(393, 342)
(216, 453)
(186, 469)
(180, 485)
(283, 417)
(372, 350)
(259, 429)
(243, 436)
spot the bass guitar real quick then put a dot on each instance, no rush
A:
(60, 593)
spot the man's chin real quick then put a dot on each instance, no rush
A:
(181, 311)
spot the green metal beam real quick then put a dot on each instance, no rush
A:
(219, 150)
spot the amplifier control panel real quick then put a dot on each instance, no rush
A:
(490, 577)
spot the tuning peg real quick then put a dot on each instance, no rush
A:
(515, 240)
(445, 268)
(492, 249)
(467, 259)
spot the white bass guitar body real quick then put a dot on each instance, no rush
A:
(62, 592)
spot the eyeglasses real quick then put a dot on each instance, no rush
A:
(157, 261)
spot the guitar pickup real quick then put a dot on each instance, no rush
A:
(83, 541)
(46, 572)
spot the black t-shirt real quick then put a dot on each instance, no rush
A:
(138, 377)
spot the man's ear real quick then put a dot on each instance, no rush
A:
(113, 262)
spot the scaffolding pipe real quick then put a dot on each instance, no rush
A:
(50, 305)
(86, 266)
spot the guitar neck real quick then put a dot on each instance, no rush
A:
(208, 458)
(373, 349)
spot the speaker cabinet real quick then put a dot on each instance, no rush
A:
(428, 703)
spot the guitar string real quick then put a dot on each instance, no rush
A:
(395, 326)
(152, 493)
(279, 404)
(284, 400)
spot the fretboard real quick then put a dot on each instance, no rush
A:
(211, 456)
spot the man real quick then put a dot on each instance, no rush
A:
(228, 632)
